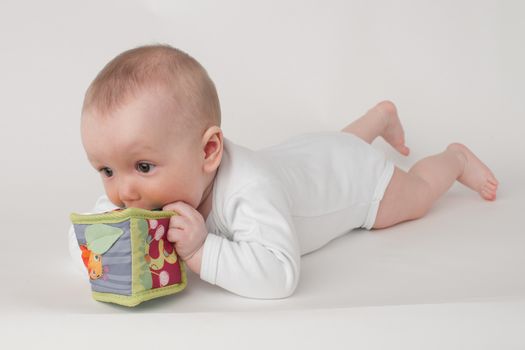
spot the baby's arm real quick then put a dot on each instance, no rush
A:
(260, 258)
(249, 269)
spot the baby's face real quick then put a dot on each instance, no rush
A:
(144, 159)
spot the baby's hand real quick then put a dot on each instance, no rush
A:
(187, 230)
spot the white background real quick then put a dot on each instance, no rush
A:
(454, 69)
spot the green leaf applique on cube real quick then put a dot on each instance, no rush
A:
(101, 237)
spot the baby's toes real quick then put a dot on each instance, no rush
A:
(488, 194)
(492, 180)
(490, 187)
(404, 150)
(488, 191)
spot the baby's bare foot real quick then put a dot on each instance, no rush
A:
(393, 133)
(476, 175)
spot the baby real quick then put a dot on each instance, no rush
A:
(150, 126)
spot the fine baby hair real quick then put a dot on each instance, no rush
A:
(127, 255)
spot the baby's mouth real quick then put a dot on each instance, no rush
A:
(145, 208)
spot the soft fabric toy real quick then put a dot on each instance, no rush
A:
(127, 255)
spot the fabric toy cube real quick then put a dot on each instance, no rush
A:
(127, 255)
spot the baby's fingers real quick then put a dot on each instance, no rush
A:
(179, 222)
(174, 234)
(181, 208)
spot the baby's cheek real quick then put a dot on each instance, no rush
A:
(173, 188)
(165, 196)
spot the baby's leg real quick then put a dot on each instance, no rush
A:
(411, 195)
(381, 120)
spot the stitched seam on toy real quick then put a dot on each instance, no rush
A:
(119, 216)
(146, 292)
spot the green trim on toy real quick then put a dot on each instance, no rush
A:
(139, 264)
(134, 300)
(119, 216)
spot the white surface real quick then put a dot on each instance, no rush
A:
(486, 325)
(454, 279)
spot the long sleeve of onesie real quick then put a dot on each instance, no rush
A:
(256, 254)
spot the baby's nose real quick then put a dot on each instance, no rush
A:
(128, 193)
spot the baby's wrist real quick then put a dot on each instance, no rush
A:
(194, 261)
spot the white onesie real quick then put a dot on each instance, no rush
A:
(273, 205)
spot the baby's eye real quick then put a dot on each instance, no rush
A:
(145, 167)
(107, 171)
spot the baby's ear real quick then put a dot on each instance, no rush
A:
(213, 147)
(210, 148)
